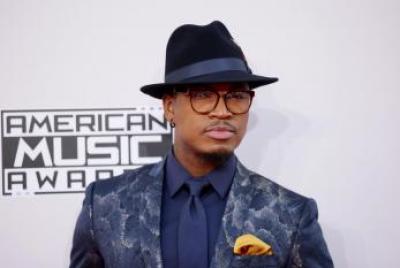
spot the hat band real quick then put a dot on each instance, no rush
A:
(206, 67)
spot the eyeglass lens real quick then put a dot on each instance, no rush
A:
(205, 100)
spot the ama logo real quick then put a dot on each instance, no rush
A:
(62, 151)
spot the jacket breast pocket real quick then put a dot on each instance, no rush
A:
(250, 261)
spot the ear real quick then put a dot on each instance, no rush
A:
(168, 105)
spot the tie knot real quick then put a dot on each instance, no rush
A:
(196, 186)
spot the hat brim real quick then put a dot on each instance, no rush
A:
(158, 90)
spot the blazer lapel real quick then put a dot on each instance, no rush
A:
(151, 215)
(235, 213)
(233, 219)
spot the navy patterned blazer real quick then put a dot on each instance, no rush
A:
(119, 225)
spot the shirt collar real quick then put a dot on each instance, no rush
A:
(220, 178)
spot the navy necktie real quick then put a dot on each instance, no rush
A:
(192, 233)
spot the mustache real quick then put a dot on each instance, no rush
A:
(221, 124)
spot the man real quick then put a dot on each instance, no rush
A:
(199, 207)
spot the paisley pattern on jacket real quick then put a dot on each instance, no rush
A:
(119, 225)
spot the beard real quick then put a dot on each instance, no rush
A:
(216, 158)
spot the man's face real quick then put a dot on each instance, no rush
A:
(217, 132)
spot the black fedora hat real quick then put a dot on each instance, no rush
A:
(201, 55)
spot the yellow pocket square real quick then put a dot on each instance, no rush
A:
(249, 244)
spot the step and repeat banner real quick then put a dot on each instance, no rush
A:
(62, 151)
(72, 112)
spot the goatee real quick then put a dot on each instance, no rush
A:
(216, 158)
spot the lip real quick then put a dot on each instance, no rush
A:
(220, 132)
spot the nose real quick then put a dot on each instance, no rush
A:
(220, 110)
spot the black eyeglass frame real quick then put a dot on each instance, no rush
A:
(188, 90)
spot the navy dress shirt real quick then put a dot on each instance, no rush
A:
(174, 196)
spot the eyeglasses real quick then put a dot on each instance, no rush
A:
(204, 100)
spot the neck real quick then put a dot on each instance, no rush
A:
(199, 164)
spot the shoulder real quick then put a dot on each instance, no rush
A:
(266, 191)
(135, 179)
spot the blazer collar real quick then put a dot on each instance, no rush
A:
(151, 199)
(236, 209)
(231, 225)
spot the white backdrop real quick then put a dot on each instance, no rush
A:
(329, 129)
